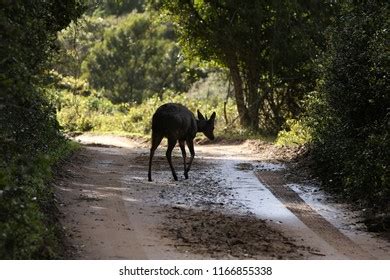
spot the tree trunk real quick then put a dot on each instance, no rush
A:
(253, 99)
(239, 94)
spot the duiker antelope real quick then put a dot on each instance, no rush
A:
(176, 122)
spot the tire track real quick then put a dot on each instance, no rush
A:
(318, 224)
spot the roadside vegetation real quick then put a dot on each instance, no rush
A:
(30, 138)
(349, 115)
(313, 74)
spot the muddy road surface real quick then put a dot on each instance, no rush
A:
(235, 205)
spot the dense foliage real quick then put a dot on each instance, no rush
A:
(76, 41)
(268, 47)
(350, 116)
(136, 59)
(29, 137)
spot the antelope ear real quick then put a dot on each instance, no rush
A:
(200, 116)
(212, 118)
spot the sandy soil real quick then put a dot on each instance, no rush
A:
(235, 205)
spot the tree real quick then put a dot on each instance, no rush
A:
(76, 41)
(136, 59)
(266, 45)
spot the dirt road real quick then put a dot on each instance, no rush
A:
(235, 205)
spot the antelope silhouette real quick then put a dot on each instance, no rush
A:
(175, 122)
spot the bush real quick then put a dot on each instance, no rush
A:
(29, 133)
(350, 115)
(296, 134)
(27, 230)
(79, 113)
